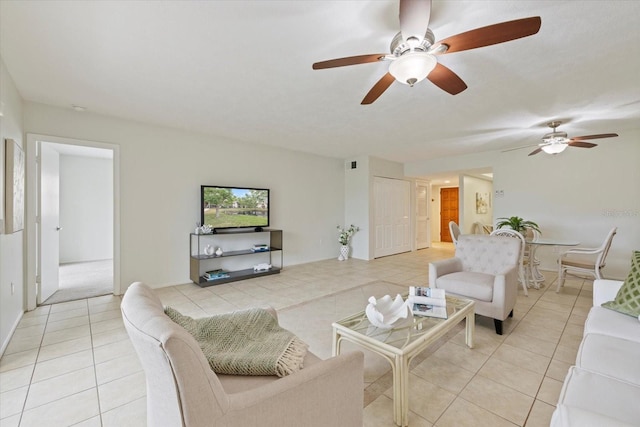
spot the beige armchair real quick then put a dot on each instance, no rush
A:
(484, 269)
(584, 261)
(182, 390)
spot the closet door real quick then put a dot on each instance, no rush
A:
(392, 204)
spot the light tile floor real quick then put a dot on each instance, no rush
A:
(73, 364)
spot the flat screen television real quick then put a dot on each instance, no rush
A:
(234, 207)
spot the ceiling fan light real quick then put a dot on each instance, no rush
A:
(412, 67)
(554, 148)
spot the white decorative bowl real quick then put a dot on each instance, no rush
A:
(387, 313)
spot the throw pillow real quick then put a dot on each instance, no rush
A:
(627, 300)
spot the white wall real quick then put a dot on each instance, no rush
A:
(359, 199)
(86, 208)
(161, 171)
(11, 245)
(468, 215)
(577, 195)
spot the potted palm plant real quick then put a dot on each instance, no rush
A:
(517, 224)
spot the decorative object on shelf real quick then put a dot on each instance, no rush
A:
(387, 313)
(344, 238)
(198, 229)
(219, 251)
(206, 229)
(208, 250)
(517, 224)
(262, 267)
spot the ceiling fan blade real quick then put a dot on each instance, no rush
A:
(519, 148)
(414, 18)
(536, 151)
(492, 34)
(378, 89)
(349, 60)
(602, 135)
(446, 80)
(582, 144)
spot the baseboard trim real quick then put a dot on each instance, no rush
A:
(5, 343)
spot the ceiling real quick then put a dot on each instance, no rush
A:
(242, 70)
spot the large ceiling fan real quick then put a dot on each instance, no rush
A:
(413, 50)
(557, 141)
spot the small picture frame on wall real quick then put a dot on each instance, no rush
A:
(482, 203)
(14, 187)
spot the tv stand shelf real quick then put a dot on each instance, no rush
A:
(234, 260)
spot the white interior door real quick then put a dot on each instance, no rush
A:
(392, 204)
(49, 214)
(422, 216)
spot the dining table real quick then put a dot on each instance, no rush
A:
(535, 277)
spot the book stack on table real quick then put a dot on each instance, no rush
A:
(215, 275)
(260, 248)
(426, 301)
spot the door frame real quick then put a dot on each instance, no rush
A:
(31, 244)
(427, 186)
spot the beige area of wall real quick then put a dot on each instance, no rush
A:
(577, 195)
(161, 171)
(11, 245)
(471, 187)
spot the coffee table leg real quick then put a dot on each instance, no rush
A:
(470, 328)
(335, 347)
(401, 391)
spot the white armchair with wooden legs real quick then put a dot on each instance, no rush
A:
(485, 270)
(584, 261)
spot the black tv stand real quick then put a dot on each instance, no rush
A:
(258, 229)
(236, 243)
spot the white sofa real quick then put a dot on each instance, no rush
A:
(603, 388)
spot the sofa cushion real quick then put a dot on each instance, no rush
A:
(570, 416)
(608, 322)
(627, 300)
(615, 357)
(472, 285)
(602, 395)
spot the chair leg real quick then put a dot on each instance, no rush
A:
(523, 280)
(560, 278)
(498, 324)
(511, 314)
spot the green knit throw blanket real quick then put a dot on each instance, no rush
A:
(245, 342)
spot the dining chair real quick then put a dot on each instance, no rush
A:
(455, 231)
(522, 273)
(584, 261)
(478, 228)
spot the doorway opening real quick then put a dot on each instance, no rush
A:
(74, 219)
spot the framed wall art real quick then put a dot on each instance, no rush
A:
(482, 203)
(14, 187)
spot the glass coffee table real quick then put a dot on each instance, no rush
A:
(400, 345)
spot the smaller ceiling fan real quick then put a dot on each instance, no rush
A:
(557, 141)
